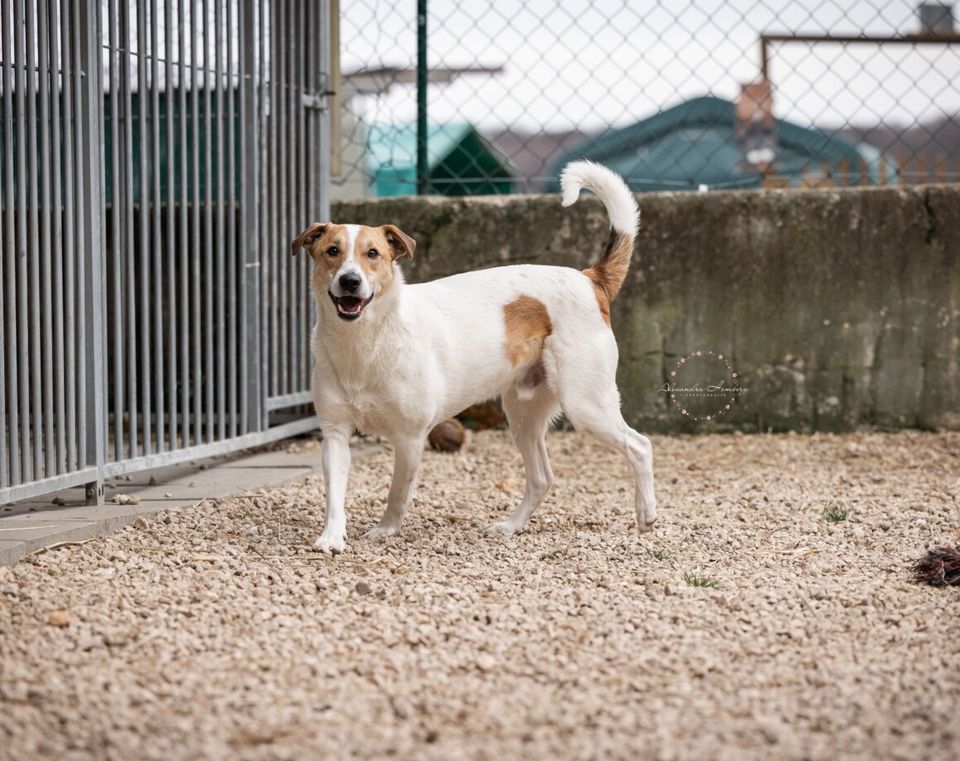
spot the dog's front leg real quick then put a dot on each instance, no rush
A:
(335, 451)
(408, 453)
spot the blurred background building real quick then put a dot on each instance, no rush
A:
(749, 93)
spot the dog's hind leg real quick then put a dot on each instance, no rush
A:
(590, 399)
(529, 418)
(407, 455)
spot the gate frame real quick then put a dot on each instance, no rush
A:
(255, 406)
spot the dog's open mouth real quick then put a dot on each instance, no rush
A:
(349, 307)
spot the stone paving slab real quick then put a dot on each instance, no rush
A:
(28, 526)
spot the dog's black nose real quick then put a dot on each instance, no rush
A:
(349, 283)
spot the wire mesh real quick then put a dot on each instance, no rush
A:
(675, 96)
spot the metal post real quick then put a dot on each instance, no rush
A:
(321, 133)
(116, 228)
(143, 246)
(208, 243)
(423, 168)
(90, 100)
(220, 233)
(250, 151)
(7, 194)
(333, 23)
(232, 249)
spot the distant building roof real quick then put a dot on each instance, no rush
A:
(461, 161)
(694, 143)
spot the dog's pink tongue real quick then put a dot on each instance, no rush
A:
(350, 304)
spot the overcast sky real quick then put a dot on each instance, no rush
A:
(577, 63)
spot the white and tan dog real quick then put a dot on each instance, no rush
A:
(397, 359)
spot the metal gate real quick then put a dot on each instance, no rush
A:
(158, 156)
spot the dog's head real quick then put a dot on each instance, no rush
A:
(353, 264)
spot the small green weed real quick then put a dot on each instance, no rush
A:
(657, 554)
(697, 579)
(835, 514)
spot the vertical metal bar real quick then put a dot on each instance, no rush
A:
(312, 81)
(184, 230)
(332, 22)
(23, 134)
(69, 233)
(312, 31)
(44, 253)
(320, 170)
(300, 191)
(5, 432)
(311, 78)
(57, 282)
(270, 260)
(173, 304)
(116, 294)
(250, 347)
(293, 170)
(11, 433)
(274, 207)
(156, 277)
(294, 165)
(232, 280)
(196, 200)
(313, 63)
(283, 212)
(423, 168)
(84, 208)
(209, 327)
(220, 235)
(129, 248)
(144, 276)
(94, 314)
(33, 252)
(263, 160)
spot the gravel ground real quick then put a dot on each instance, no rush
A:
(213, 632)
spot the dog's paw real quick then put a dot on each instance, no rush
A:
(380, 532)
(646, 524)
(506, 528)
(332, 544)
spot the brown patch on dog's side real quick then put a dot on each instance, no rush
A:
(527, 326)
(608, 274)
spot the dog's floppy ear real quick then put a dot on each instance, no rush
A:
(308, 236)
(401, 244)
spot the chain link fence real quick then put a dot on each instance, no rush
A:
(675, 96)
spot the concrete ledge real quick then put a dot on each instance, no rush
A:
(839, 308)
(28, 526)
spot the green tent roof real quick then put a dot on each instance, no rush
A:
(694, 143)
(461, 162)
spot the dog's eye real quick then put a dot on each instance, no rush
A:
(333, 251)
(373, 253)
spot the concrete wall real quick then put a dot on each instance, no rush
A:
(838, 308)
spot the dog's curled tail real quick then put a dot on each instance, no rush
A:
(608, 274)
